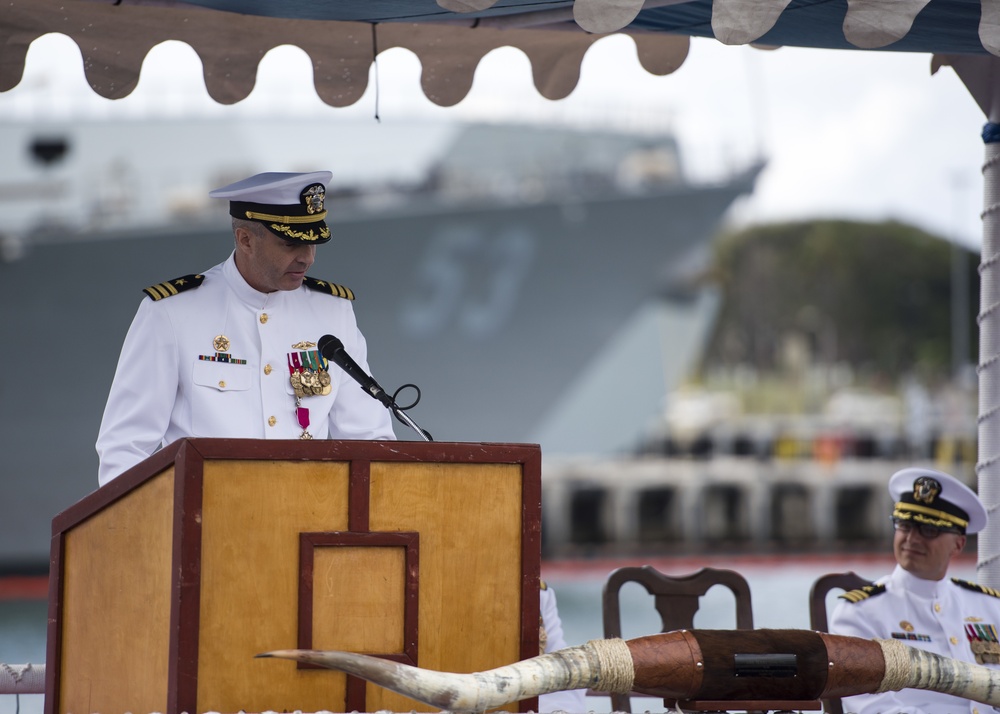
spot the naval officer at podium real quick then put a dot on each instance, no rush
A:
(231, 352)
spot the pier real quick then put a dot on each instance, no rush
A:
(819, 494)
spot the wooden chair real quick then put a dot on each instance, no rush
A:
(676, 598)
(818, 617)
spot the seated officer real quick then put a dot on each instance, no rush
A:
(917, 603)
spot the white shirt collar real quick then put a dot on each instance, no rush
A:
(238, 284)
(927, 589)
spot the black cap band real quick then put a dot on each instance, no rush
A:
(934, 511)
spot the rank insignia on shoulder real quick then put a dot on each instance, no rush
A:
(172, 287)
(329, 288)
(863, 593)
(976, 587)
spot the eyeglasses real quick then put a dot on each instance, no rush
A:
(924, 529)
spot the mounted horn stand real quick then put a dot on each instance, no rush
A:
(724, 669)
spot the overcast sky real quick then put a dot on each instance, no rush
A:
(867, 135)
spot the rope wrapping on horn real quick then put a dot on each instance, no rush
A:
(897, 666)
(617, 672)
(911, 667)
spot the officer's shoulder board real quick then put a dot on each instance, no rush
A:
(863, 593)
(329, 288)
(173, 287)
(976, 587)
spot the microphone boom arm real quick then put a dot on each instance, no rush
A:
(405, 418)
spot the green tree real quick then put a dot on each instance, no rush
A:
(874, 295)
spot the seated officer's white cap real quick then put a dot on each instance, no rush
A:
(290, 205)
(936, 498)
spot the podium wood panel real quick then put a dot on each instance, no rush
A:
(253, 514)
(118, 570)
(366, 612)
(467, 593)
(167, 581)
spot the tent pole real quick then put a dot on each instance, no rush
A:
(988, 460)
(981, 76)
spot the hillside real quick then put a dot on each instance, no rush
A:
(876, 297)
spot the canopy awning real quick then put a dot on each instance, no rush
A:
(450, 37)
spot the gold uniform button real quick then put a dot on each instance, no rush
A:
(263, 318)
(937, 607)
(222, 384)
(267, 369)
(954, 640)
(271, 421)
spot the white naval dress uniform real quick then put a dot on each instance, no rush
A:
(931, 615)
(574, 700)
(166, 387)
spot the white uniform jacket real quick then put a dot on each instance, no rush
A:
(171, 382)
(939, 616)
(574, 700)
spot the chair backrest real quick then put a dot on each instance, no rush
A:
(676, 598)
(819, 618)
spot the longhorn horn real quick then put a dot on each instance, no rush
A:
(685, 665)
(570, 668)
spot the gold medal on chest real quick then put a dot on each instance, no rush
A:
(221, 343)
(307, 373)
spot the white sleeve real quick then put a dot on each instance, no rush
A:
(573, 701)
(356, 414)
(142, 394)
(849, 619)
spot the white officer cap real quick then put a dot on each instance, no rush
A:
(936, 498)
(290, 205)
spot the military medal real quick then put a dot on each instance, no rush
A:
(309, 376)
(985, 643)
(302, 415)
(221, 345)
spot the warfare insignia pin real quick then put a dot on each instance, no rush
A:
(221, 343)
(304, 345)
(906, 626)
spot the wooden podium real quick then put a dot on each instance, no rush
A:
(167, 581)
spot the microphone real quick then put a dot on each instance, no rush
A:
(333, 349)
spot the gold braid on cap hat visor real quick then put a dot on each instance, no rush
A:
(309, 235)
(314, 218)
(940, 518)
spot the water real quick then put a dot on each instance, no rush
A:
(22, 639)
(779, 588)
